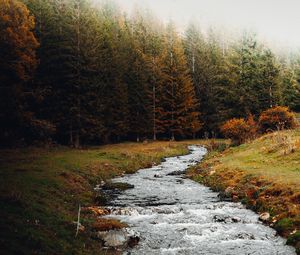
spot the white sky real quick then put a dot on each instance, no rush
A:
(276, 21)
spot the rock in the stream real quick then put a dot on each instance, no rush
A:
(118, 238)
(176, 173)
(264, 216)
(117, 186)
(133, 241)
(157, 176)
(226, 219)
(99, 186)
(245, 236)
(113, 238)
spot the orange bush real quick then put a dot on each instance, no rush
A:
(276, 118)
(236, 129)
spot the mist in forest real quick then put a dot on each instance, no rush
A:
(275, 21)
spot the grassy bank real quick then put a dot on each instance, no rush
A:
(41, 190)
(263, 174)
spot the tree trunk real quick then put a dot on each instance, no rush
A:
(77, 140)
(71, 136)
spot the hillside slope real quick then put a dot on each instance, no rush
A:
(264, 174)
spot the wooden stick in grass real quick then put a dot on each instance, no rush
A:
(78, 220)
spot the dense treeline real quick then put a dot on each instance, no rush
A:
(78, 72)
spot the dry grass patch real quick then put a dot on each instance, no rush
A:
(103, 224)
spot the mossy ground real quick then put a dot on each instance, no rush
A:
(264, 174)
(40, 190)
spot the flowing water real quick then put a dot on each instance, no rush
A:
(175, 215)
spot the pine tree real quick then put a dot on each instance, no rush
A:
(270, 93)
(179, 104)
(211, 70)
(257, 70)
(114, 67)
(290, 80)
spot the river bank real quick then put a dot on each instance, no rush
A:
(264, 175)
(172, 214)
(41, 190)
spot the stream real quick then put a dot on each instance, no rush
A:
(175, 215)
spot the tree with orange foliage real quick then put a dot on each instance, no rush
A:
(17, 42)
(18, 62)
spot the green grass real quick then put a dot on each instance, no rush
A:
(270, 156)
(264, 174)
(40, 191)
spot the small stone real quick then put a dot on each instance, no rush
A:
(97, 187)
(212, 172)
(133, 241)
(229, 190)
(113, 238)
(264, 216)
(219, 218)
(235, 219)
(293, 232)
(118, 238)
(177, 173)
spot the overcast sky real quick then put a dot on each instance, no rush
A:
(276, 21)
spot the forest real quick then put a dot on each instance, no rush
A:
(80, 72)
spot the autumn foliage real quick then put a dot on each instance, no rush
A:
(17, 41)
(18, 62)
(276, 118)
(235, 129)
(240, 130)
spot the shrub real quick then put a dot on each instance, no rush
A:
(276, 118)
(236, 129)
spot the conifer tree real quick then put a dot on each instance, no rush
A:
(179, 104)
(290, 80)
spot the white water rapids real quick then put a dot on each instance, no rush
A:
(175, 215)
